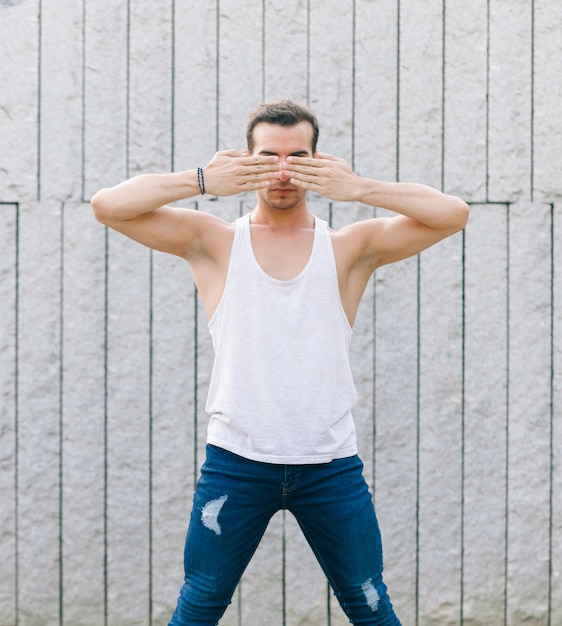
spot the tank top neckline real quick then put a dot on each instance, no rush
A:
(248, 240)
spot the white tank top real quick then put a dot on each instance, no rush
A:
(281, 389)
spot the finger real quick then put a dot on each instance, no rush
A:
(302, 168)
(324, 155)
(257, 184)
(310, 161)
(260, 160)
(316, 161)
(258, 177)
(260, 172)
(231, 153)
(309, 185)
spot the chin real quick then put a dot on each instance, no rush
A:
(282, 207)
(286, 205)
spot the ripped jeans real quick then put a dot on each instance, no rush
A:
(233, 503)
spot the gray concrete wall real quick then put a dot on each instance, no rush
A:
(104, 355)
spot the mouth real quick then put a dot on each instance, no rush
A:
(283, 189)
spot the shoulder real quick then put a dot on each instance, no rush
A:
(213, 234)
(356, 243)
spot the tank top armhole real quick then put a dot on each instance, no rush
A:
(238, 232)
(332, 258)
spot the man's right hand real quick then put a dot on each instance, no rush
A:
(233, 171)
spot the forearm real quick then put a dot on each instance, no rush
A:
(420, 202)
(142, 194)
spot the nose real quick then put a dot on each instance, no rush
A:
(284, 174)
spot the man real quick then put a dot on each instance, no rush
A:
(281, 291)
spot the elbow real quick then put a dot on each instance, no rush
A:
(101, 207)
(461, 211)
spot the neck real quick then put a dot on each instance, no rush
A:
(294, 217)
(282, 218)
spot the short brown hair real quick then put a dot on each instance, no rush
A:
(283, 113)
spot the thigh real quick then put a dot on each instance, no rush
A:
(336, 513)
(232, 507)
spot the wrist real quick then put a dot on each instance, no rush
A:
(201, 180)
(188, 180)
(369, 191)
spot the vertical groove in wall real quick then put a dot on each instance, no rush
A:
(83, 109)
(239, 608)
(532, 154)
(195, 384)
(217, 76)
(328, 606)
(353, 77)
(16, 418)
(61, 433)
(418, 437)
(39, 93)
(195, 377)
(398, 51)
(507, 415)
(284, 567)
(374, 387)
(240, 603)
(128, 93)
(173, 89)
(105, 427)
(463, 419)
(263, 48)
(328, 588)
(150, 427)
(551, 416)
(443, 87)
(487, 174)
(308, 53)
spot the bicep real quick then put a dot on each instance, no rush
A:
(168, 229)
(386, 240)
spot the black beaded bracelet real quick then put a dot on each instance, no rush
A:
(201, 180)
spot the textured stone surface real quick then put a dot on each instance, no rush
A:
(395, 451)
(465, 84)
(61, 69)
(19, 111)
(529, 411)
(285, 71)
(556, 520)
(239, 68)
(485, 414)
(330, 77)
(8, 411)
(509, 117)
(104, 351)
(420, 84)
(440, 423)
(83, 415)
(39, 411)
(547, 141)
(375, 112)
(105, 95)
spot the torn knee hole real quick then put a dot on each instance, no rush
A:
(210, 514)
(371, 594)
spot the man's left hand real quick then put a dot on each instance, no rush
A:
(324, 174)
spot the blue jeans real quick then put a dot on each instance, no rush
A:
(232, 506)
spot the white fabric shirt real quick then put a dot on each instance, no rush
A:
(281, 388)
